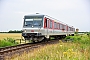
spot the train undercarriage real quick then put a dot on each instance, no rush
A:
(34, 37)
(37, 38)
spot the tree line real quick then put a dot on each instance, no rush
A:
(13, 31)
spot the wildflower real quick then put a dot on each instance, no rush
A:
(73, 53)
(64, 53)
(60, 45)
(57, 52)
(69, 53)
(70, 50)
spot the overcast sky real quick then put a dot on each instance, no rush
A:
(73, 12)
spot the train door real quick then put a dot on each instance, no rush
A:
(46, 26)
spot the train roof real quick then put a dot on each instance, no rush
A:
(37, 14)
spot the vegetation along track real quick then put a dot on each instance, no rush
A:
(8, 52)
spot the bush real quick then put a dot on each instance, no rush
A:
(79, 39)
(88, 34)
(15, 31)
(10, 40)
(72, 38)
(68, 37)
(7, 42)
(4, 43)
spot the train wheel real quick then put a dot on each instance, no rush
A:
(44, 39)
(47, 39)
(72, 34)
(33, 41)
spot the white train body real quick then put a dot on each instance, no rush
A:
(37, 27)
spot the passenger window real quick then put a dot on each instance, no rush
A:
(50, 24)
(58, 25)
(55, 26)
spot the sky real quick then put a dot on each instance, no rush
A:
(75, 13)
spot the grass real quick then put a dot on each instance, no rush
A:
(79, 49)
(7, 42)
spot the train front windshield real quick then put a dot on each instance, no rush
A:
(30, 21)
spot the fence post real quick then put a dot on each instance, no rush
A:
(20, 41)
(25, 40)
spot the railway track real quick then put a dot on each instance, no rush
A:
(8, 52)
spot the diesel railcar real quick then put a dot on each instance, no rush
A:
(38, 27)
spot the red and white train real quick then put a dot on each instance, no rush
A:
(38, 27)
